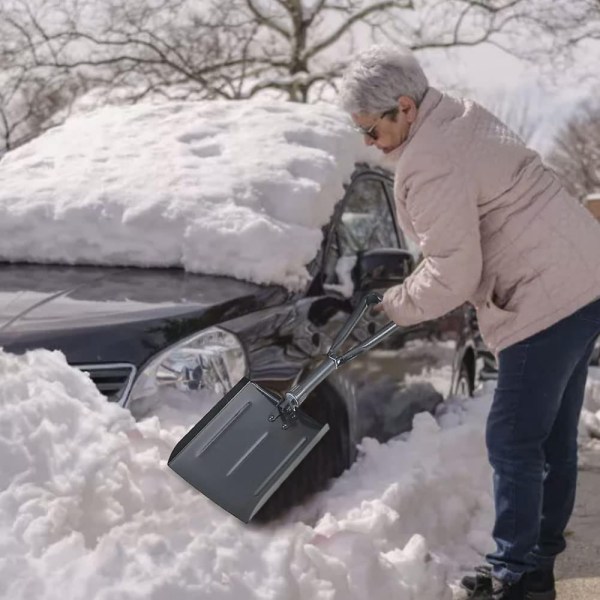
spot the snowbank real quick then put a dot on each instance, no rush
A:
(89, 510)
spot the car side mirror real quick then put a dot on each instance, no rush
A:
(381, 268)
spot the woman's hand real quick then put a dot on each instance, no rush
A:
(378, 308)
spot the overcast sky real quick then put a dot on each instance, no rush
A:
(488, 75)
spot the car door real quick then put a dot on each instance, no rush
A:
(412, 370)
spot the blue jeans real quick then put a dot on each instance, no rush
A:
(531, 438)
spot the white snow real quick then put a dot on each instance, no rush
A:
(231, 188)
(89, 509)
(589, 424)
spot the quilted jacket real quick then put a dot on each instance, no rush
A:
(495, 226)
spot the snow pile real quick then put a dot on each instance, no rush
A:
(232, 188)
(590, 415)
(89, 509)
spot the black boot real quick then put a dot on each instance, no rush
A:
(537, 585)
(508, 591)
(481, 581)
(494, 589)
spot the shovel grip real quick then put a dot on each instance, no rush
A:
(366, 301)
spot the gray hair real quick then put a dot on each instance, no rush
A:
(377, 77)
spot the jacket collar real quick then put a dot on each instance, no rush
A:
(430, 101)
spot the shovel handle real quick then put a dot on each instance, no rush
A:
(299, 392)
(368, 300)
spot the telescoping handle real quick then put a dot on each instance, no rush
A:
(299, 392)
(368, 300)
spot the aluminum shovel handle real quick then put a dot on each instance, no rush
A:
(299, 392)
(368, 300)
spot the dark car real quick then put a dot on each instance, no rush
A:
(148, 337)
(479, 364)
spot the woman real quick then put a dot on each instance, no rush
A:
(496, 229)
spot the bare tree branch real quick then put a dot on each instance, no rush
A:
(234, 49)
(576, 152)
(261, 19)
(355, 18)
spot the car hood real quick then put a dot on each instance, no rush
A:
(41, 297)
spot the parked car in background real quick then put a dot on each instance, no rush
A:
(479, 365)
(153, 337)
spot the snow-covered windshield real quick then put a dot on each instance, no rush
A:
(229, 188)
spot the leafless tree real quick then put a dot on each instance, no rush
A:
(576, 152)
(33, 100)
(233, 49)
(53, 51)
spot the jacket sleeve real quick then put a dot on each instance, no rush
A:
(442, 205)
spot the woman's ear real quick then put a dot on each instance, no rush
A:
(408, 107)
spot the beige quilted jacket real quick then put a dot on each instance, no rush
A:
(495, 226)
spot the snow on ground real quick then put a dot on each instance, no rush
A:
(89, 509)
(589, 425)
(215, 187)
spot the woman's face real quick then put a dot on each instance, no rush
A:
(389, 129)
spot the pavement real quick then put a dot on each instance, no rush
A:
(578, 568)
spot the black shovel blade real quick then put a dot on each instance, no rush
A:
(237, 457)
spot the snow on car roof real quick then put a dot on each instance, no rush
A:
(232, 188)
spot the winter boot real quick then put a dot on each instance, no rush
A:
(507, 591)
(537, 585)
(481, 581)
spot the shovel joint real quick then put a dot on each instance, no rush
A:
(286, 413)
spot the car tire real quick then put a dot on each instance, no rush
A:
(464, 382)
(328, 459)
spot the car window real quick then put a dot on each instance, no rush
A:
(366, 222)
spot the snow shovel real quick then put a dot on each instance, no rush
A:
(243, 449)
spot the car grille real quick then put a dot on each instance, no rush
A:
(114, 380)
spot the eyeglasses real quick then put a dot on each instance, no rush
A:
(372, 130)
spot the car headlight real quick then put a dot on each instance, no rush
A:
(189, 376)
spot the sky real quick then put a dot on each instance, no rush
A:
(506, 85)
(88, 507)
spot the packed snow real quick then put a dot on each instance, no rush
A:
(229, 188)
(90, 510)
